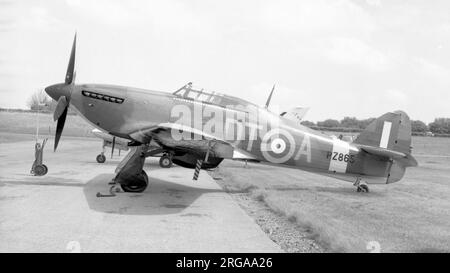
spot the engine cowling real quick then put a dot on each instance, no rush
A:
(190, 160)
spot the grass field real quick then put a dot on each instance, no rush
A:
(412, 215)
(25, 123)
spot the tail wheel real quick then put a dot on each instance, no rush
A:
(363, 188)
(101, 158)
(40, 170)
(137, 185)
(45, 169)
(165, 161)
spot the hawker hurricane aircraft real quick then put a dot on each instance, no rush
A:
(200, 129)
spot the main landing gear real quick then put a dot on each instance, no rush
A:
(101, 158)
(361, 186)
(165, 161)
(130, 175)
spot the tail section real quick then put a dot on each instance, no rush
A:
(391, 131)
(389, 138)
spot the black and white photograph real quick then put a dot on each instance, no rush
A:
(258, 128)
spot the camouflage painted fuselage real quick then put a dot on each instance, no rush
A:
(250, 130)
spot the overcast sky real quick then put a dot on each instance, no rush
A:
(341, 58)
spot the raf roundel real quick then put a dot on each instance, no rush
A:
(278, 145)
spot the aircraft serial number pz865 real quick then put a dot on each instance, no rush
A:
(341, 157)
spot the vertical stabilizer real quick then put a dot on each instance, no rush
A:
(391, 131)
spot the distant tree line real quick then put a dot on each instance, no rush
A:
(440, 126)
(352, 124)
(39, 100)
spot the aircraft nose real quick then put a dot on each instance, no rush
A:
(57, 90)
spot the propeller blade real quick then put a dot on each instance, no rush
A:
(70, 75)
(60, 107)
(112, 147)
(60, 127)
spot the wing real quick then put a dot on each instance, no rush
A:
(198, 143)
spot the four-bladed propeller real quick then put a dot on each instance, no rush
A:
(60, 113)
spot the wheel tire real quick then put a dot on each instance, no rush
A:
(39, 170)
(138, 185)
(46, 169)
(165, 161)
(101, 158)
(364, 188)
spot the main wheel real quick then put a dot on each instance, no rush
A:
(101, 158)
(45, 169)
(137, 185)
(165, 161)
(39, 170)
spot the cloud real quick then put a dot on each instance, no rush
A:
(387, 100)
(314, 17)
(162, 17)
(375, 3)
(352, 51)
(111, 13)
(73, 3)
(396, 96)
(432, 70)
(30, 18)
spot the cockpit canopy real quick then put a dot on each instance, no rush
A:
(199, 94)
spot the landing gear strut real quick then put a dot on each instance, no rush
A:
(361, 186)
(129, 173)
(101, 158)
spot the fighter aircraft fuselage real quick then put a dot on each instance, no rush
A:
(199, 129)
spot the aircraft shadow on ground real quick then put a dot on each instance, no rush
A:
(161, 197)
